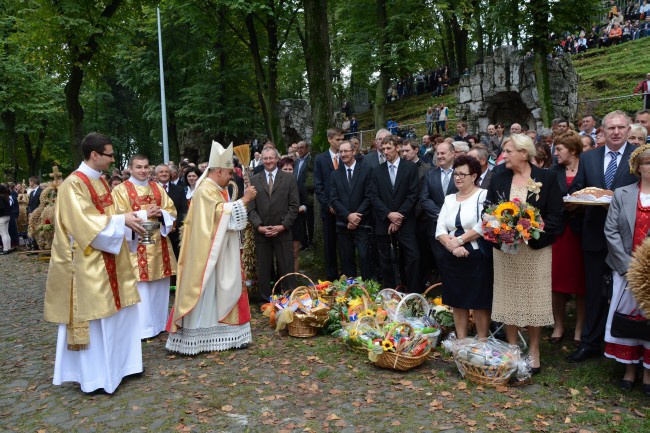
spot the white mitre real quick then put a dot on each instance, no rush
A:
(219, 158)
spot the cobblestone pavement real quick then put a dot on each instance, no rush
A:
(283, 384)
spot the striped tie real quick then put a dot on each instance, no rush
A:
(611, 169)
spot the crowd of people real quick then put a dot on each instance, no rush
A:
(627, 24)
(405, 214)
(432, 81)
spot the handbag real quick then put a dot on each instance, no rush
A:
(632, 325)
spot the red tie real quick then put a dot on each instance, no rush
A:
(165, 187)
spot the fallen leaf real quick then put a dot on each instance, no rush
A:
(461, 385)
(340, 423)
(305, 373)
(335, 391)
(471, 422)
(574, 392)
(227, 408)
(332, 417)
(405, 382)
(445, 393)
(396, 423)
(640, 414)
(567, 420)
(502, 388)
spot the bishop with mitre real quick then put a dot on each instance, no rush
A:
(211, 310)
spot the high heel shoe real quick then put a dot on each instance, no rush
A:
(556, 340)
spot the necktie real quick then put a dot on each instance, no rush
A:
(392, 174)
(610, 171)
(335, 161)
(165, 187)
(445, 180)
(349, 175)
(270, 183)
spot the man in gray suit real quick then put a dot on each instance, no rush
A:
(272, 215)
(437, 184)
(376, 157)
(480, 152)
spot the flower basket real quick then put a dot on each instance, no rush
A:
(361, 333)
(353, 313)
(397, 360)
(276, 302)
(306, 325)
(488, 361)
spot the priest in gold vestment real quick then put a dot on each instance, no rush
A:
(153, 263)
(91, 288)
(211, 310)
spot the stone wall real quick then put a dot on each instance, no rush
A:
(503, 90)
(295, 118)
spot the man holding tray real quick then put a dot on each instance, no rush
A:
(605, 167)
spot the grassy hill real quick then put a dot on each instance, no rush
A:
(602, 73)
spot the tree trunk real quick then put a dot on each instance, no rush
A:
(382, 82)
(75, 112)
(540, 13)
(480, 47)
(34, 152)
(267, 87)
(514, 10)
(317, 57)
(11, 140)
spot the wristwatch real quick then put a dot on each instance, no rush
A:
(460, 240)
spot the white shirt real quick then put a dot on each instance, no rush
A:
(274, 173)
(354, 164)
(470, 214)
(480, 179)
(618, 157)
(333, 155)
(395, 163)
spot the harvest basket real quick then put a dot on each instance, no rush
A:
(365, 297)
(484, 375)
(397, 361)
(356, 329)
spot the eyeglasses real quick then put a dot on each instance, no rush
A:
(460, 175)
(109, 155)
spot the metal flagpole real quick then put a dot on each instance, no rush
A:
(162, 94)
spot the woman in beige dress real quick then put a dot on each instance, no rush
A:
(522, 281)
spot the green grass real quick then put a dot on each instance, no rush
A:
(603, 72)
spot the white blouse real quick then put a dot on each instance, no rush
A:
(470, 214)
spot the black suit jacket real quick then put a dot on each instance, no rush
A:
(323, 168)
(34, 199)
(351, 197)
(278, 207)
(372, 158)
(432, 197)
(485, 183)
(305, 179)
(549, 203)
(177, 194)
(591, 172)
(402, 198)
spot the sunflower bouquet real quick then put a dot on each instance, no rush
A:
(512, 223)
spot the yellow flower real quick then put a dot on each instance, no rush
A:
(340, 299)
(353, 334)
(369, 313)
(388, 346)
(508, 206)
(530, 213)
(520, 228)
(437, 301)
(354, 303)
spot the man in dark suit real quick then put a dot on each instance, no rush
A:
(177, 194)
(304, 172)
(272, 215)
(376, 157)
(605, 167)
(34, 195)
(176, 177)
(437, 184)
(394, 194)
(324, 165)
(410, 152)
(349, 195)
(480, 152)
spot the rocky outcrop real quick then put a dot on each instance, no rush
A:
(295, 118)
(503, 89)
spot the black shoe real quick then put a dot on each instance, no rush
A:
(536, 370)
(626, 385)
(582, 354)
(646, 389)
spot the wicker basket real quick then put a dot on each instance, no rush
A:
(289, 275)
(300, 327)
(484, 375)
(365, 298)
(365, 320)
(398, 361)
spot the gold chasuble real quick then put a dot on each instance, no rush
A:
(211, 310)
(84, 283)
(155, 261)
